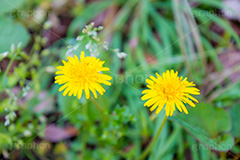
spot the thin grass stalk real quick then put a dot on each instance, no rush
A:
(196, 35)
(153, 142)
(179, 29)
(7, 70)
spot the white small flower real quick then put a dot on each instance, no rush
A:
(100, 28)
(95, 54)
(75, 47)
(88, 45)
(39, 15)
(116, 50)
(50, 69)
(93, 34)
(121, 55)
(79, 38)
(14, 114)
(25, 91)
(7, 122)
(27, 133)
(3, 55)
(69, 53)
(42, 118)
(84, 31)
(70, 50)
(30, 126)
(105, 45)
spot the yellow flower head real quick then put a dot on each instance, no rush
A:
(169, 90)
(84, 74)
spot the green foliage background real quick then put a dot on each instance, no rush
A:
(35, 35)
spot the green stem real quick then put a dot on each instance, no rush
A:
(223, 155)
(153, 142)
(7, 70)
(99, 108)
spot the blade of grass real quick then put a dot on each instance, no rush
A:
(179, 28)
(193, 146)
(84, 17)
(196, 35)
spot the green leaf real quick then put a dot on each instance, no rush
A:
(71, 109)
(5, 138)
(235, 112)
(12, 33)
(10, 5)
(209, 125)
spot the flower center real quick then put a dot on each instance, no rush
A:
(83, 73)
(169, 93)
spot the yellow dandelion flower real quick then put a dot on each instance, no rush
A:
(81, 74)
(169, 90)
